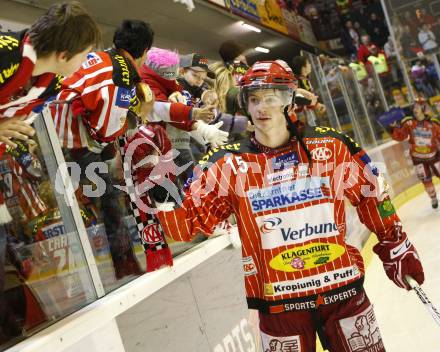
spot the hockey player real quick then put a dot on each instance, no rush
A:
(287, 188)
(423, 135)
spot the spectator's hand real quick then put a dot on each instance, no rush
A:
(14, 127)
(308, 95)
(320, 109)
(177, 97)
(205, 114)
(212, 133)
(210, 97)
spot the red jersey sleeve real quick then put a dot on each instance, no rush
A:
(436, 130)
(206, 203)
(401, 132)
(172, 112)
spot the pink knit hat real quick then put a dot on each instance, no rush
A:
(164, 62)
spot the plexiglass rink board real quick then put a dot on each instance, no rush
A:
(44, 272)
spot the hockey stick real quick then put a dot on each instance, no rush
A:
(424, 298)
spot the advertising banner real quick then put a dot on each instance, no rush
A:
(291, 23)
(271, 15)
(246, 8)
(306, 31)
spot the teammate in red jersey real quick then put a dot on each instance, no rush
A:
(423, 135)
(287, 188)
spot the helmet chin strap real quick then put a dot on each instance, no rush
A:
(294, 130)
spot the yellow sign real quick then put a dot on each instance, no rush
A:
(271, 15)
(308, 256)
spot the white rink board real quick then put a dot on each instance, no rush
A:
(204, 310)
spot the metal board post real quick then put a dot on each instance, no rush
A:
(351, 111)
(399, 57)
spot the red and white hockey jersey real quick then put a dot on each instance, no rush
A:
(20, 190)
(20, 93)
(291, 219)
(99, 95)
(423, 137)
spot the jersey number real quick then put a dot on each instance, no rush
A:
(242, 165)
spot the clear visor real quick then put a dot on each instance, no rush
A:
(269, 97)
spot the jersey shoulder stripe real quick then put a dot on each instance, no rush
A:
(215, 154)
(406, 119)
(330, 132)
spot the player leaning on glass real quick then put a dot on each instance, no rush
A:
(286, 185)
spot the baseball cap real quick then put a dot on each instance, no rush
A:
(196, 60)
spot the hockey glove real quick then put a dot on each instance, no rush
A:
(212, 133)
(400, 258)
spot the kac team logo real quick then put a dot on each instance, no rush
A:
(151, 234)
(270, 225)
(321, 154)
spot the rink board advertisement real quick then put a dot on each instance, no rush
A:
(206, 312)
(400, 170)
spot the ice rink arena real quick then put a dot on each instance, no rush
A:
(219, 175)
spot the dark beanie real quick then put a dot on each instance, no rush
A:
(229, 50)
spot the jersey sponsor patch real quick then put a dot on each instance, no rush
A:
(123, 97)
(249, 268)
(283, 343)
(92, 60)
(284, 161)
(361, 332)
(319, 141)
(288, 174)
(289, 193)
(306, 257)
(289, 228)
(313, 282)
(284, 175)
(386, 209)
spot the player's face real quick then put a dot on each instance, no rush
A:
(66, 66)
(266, 109)
(418, 113)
